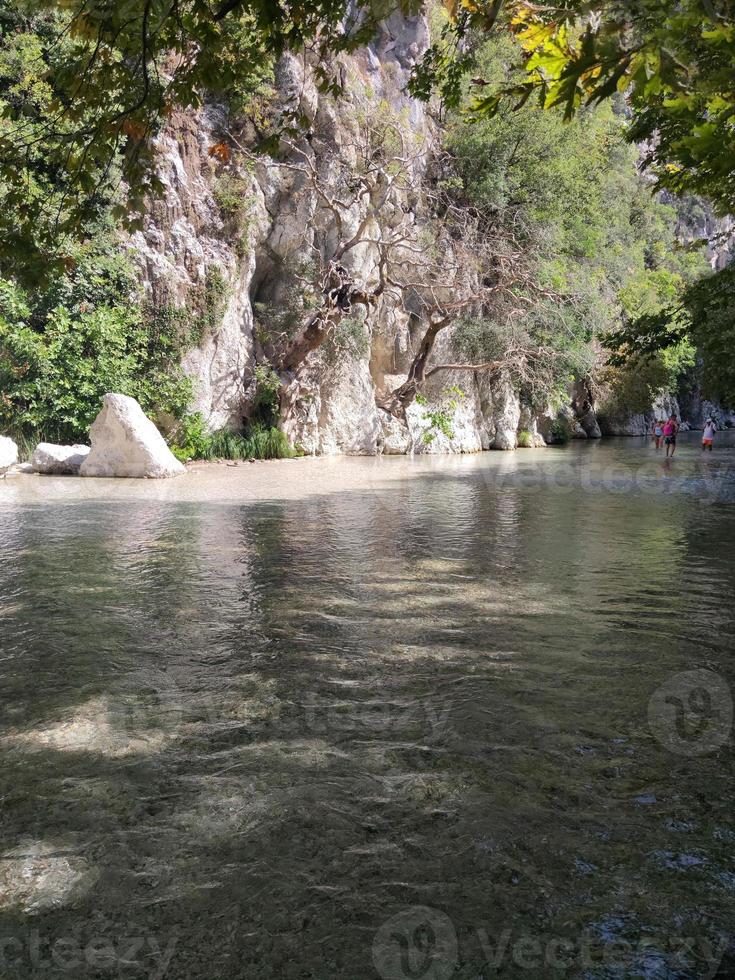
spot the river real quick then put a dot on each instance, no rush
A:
(354, 718)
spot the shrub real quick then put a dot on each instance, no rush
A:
(525, 439)
(348, 338)
(258, 442)
(267, 391)
(236, 201)
(440, 418)
(62, 348)
(190, 439)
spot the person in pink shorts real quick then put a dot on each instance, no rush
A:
(671, 427)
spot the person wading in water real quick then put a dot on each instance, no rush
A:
(671, 427)
(708, 436)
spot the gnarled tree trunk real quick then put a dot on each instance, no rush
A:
(401, 397)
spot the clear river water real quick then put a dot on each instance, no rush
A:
(437, 718)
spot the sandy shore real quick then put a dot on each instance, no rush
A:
(618, 464)
(277, 479)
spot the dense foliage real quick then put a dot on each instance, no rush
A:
(97, 79)
(191, 440)
(601, 243)
(88, 332)
(86, 86)
(674, 61)
(74, 323)
(703, 317)
(79, 109)
(39, 204)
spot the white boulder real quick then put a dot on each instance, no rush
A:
(58, 460)
(126, 443)
(8, 453)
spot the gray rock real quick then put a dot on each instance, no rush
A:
(58, 460)
(583, 408)
(506, 415)
(396, 437)
(588, 421)
(639, 424)
(696, 410)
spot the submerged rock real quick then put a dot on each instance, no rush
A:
(8, 453)
(126, 443)
(39, 876)
(58, 460)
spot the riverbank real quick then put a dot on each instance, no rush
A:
(621, 464)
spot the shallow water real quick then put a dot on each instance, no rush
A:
(432, 718)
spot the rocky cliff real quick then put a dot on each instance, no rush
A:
(190, 241)
(232, 231)
(686, 403)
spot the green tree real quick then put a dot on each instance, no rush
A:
(88, 332)
(596, 236)
(704, 317)
(80, 106)
(675, 62)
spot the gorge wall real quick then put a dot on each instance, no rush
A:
(190, 244)
(187, 240)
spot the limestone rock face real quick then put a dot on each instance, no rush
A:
(529, 423)
(196, 252)
(189, 242)
(506, 415)
(396, 436)
(58, 460)
(583, 417)
(8, 453)
(430, 440)
(697, 410)
(638, 423)
(334, 409)
(590, 425)
(126, 443)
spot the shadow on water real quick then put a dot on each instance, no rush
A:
(242, 738)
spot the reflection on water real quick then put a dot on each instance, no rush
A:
(393, 730)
